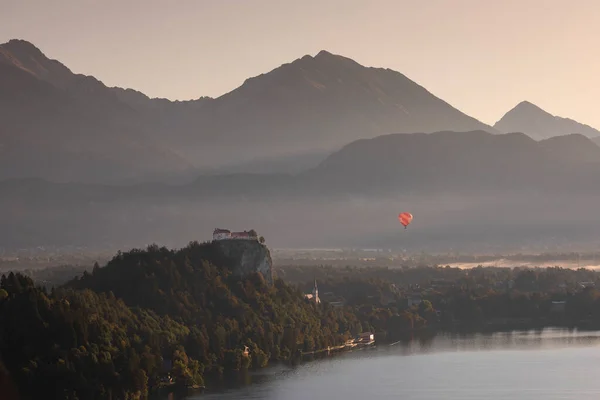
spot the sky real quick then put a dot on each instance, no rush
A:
(481, 56)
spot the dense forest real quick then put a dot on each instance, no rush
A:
(159, 317)
(395, 299)
(154, 316)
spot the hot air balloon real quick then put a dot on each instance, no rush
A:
(405, 218)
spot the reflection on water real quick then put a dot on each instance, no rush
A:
(537, 364)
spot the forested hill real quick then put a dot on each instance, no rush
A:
(148, 313)
(157, 315)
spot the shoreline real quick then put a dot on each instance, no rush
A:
(231, 380)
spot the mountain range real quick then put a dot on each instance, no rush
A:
(461, 161)
(528, 118)
(460, 181)
(322, 144)
(63, 126)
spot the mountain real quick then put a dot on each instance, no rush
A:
(315, 104)
(66, 127)
(141, 102)
(85, 89)
(573, 147)
(287, 120)
(461, 186)
(539, 124)
(456, 161)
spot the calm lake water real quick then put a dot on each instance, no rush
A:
(548, 364)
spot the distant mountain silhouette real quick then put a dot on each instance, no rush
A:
(86, 89)
(426, 165)
(575, 148)
(453, 162)
(301, 110)
(460, 186)
(317, 104)
(420, 163)
(539, 124)
(67, 127)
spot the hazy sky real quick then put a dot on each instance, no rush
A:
(481, 56)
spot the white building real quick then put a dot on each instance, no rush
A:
(314, 296)
(222, 234)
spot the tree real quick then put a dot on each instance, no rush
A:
(262, 240)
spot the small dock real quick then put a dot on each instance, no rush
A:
(364, 340)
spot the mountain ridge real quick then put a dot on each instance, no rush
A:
(27, 56)
(401, 162)
(500, 184)
(48, 132)
(309, 106)
(531, 119)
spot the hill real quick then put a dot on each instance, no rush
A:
(151, 314)
(574, 147)
(285, 120)
(420, 163)
(158, 318)
(453, 162)
(456, 184)
(539, 124)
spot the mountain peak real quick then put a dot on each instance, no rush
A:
(23, 45)
(529, 118)
(526, 103)
(324, 58)
(324, 53)
(28, 57)
(327, 55)
(368, 101)
(527, 106)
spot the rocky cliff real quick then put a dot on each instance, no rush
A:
(246, 256)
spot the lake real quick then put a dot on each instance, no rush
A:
(543, 364)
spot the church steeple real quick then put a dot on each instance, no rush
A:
(316, 293)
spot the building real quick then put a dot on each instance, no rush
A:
(314, 296)
(242, 235)
(223, 234)
(365, 339)
(220, 234)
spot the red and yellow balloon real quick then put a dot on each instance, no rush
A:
(405, 218)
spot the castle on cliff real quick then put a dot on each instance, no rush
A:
(224, 234)
(245, 253)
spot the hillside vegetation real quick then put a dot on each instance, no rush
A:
(148, 313)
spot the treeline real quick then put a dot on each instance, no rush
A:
(150, 316)
(55, 276)
(523, 279)
(155, 317)
(453, 298)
